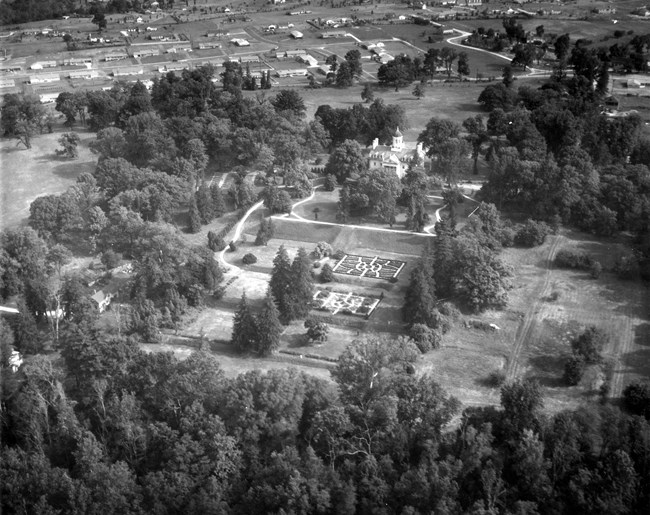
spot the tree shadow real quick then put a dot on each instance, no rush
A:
(70, 169)
(548, 370)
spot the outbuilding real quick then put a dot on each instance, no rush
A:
(296, 34)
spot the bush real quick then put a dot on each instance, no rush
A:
(573, 370)
(449, 310)
(316, 264)
(317, 331)
(595, 270)
(232, 246)
(216, 243)
(636, 399)
(326, 274)
(497, 378)
(338, 254)
(425, 338)
(532, 234)
(249, 259)
(574, 259)
(590, 344)
(323, 249)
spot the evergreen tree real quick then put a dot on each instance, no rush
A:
(281, 282)
(302, 285)
(326, 274)
(218, 204)
(443, 256)
(265, 232)
(205, 204)
(269, 327)
(244, 330)
(419, 302)
(195, 217)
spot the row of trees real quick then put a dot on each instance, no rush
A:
(403, 70)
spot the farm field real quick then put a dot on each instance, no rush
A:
(28, 173)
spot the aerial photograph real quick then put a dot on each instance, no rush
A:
(324, 257)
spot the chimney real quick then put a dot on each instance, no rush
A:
(375, 142)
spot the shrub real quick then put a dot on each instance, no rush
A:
(573, 370)
(326, 274)
(232, 246)
(249, 259)
(425, 338)
(590, 344)
(449, 310)
(219, 292)
(575, 259)
(636, 399)
(316, 264)
(595, 270)
(497, 378)
(216, 242)
(532, 234)
(339, 254)
(317, 331)
(322, 249)
(393, 280)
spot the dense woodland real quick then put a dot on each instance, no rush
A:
(100, 426)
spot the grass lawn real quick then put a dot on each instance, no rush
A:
(29, 173)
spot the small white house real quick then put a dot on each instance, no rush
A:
(102, 299)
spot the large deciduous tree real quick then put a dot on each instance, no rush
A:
(347, 160)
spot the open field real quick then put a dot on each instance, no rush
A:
(29, 173)
(534, 331)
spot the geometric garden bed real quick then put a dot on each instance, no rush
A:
(345, 303)
(364, 266)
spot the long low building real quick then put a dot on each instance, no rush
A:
(7, 83)
(44, 77)
(128, 70)
(144, 52)
(83, 74)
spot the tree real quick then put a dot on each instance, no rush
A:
(636, 399)
(436, 133)
(245, 332)
(194, 216)
(353, 57)
(414, 194)
(419, 301)
(265, 232)
(463, 65)
(301, 289)
(218, 204)
(69, 141)
(590, 344)
(483, 280)
(345, 75)
(268, 326)
(204, 203)
(524, 55)
(347, 160)
(508, 77)
(326, 273)
(419, 91)
(288, 100)
(145, 321)
(281, 281)
(522, 402)
(316, 331)
(561, 46)
(367, 94)
(448, 56)
(100, 20)
(476, 135)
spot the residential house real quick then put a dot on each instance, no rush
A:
(44, 77)
(395, 157)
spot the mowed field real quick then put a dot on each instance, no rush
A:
(29, 173)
